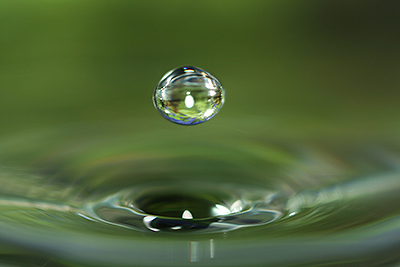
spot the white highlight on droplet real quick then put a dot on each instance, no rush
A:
(208, 113)
(189, 101)
(187, 215)
(212, 93)
(208, 84)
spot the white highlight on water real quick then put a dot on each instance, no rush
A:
(212, 248)
(194, 250)
(187, 215)
(237, 206)
(220, 210)
(147, 220)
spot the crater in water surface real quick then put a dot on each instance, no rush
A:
(189, 206)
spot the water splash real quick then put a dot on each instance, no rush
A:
(174, 208)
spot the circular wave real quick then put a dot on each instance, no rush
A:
(72, 192)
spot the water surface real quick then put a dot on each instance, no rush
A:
(105, 194)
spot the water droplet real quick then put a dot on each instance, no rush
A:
(188, 96)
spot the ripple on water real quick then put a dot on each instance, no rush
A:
(105, 188)
(188, 207)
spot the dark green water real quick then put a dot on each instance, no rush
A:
(301, 167)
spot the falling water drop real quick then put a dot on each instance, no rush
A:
(188, 96)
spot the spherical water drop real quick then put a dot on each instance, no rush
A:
(188, 96)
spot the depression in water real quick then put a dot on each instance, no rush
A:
(188, 96)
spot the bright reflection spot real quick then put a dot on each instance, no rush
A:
(220, 210)
(212, 93)
(189, 101)
(188, 70)
(194, 251)
(208, 113)
(187, 215)
(211, 248)
(293, 213)
(86, 217)
(147, 220)
(208, 84)
(237, 206)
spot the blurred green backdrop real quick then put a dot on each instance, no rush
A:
(287, 66)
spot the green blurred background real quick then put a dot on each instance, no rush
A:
(287, 66)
